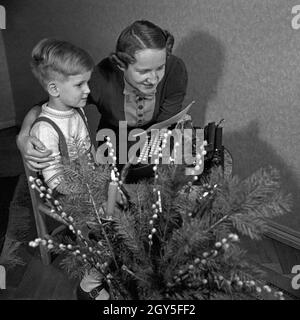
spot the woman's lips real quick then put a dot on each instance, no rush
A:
(150, 86)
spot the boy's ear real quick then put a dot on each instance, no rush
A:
(53, 89)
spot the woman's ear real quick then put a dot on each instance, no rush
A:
(121, 68)
(53, 89)
(117, 61)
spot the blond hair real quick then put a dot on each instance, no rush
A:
(53, 59)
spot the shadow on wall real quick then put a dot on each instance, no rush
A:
(250, 153)
(204, 58)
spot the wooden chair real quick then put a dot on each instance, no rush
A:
(40, 211)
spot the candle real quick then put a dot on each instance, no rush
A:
(112, 175)
(211, 135)
(218, 138)
(112, 195)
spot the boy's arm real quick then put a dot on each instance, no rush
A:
(34, 152)
(44, 132)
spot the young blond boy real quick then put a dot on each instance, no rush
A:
(64, 71)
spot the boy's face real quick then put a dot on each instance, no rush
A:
(74, 90)
(148, 69)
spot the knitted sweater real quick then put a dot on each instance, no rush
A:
(76, 135)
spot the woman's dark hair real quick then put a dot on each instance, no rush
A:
(141, 34)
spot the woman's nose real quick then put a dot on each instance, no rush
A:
(153, 77)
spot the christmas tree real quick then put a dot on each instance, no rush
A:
(171, 237)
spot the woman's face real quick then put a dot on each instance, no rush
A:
(148, 69)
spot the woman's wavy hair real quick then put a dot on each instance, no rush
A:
(141, 34)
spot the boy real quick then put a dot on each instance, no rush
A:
(64, 71)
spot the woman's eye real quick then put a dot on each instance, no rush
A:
(161, 68)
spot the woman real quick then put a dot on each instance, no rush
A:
(141, 83)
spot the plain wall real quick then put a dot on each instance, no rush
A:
(7, 108)
(242, 57)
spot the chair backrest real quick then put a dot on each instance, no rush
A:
(40, 211)
(39, 215)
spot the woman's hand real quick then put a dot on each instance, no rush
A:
(35, 155)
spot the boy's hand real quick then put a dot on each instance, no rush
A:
(35, 154)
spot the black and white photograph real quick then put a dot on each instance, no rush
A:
(149, 153)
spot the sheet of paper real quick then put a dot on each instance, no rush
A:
(170, 121)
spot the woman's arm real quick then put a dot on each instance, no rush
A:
(35, 154)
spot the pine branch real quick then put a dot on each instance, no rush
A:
(126, 230)
(173, 240)
(9, 255)
(103, 229)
